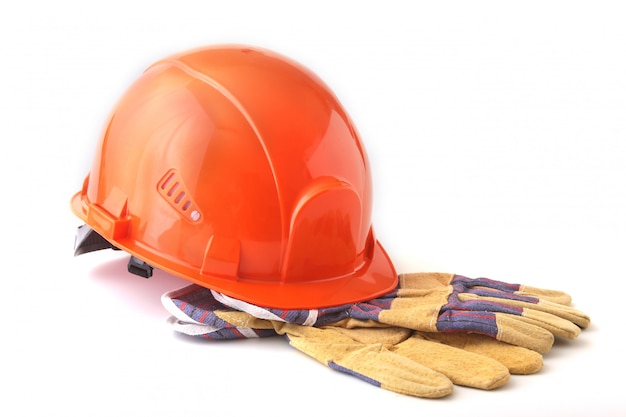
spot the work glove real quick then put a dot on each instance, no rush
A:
(397, 359)
(438, 302)
(520, 315)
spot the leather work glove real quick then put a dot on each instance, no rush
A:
(446, 303)
(438, 302)
(397, 359)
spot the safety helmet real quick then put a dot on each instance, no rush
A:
(238, 169)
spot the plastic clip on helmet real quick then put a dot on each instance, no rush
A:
(237, 169)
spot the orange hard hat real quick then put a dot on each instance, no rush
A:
(239, 170)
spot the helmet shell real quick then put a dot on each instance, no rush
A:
(238, 169)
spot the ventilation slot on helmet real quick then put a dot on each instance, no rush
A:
(172, 188)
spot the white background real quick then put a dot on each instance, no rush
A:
(497, 137)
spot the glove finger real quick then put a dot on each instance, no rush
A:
(481, 308)
(518, 360)
(500, 289)
(568, 313)
(372, 363)
(519, 332)
(554, 296)
(504, 327)
(555, 325)
(462, 367)
(376, 365)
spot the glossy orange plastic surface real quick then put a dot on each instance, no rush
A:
(238, 169)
